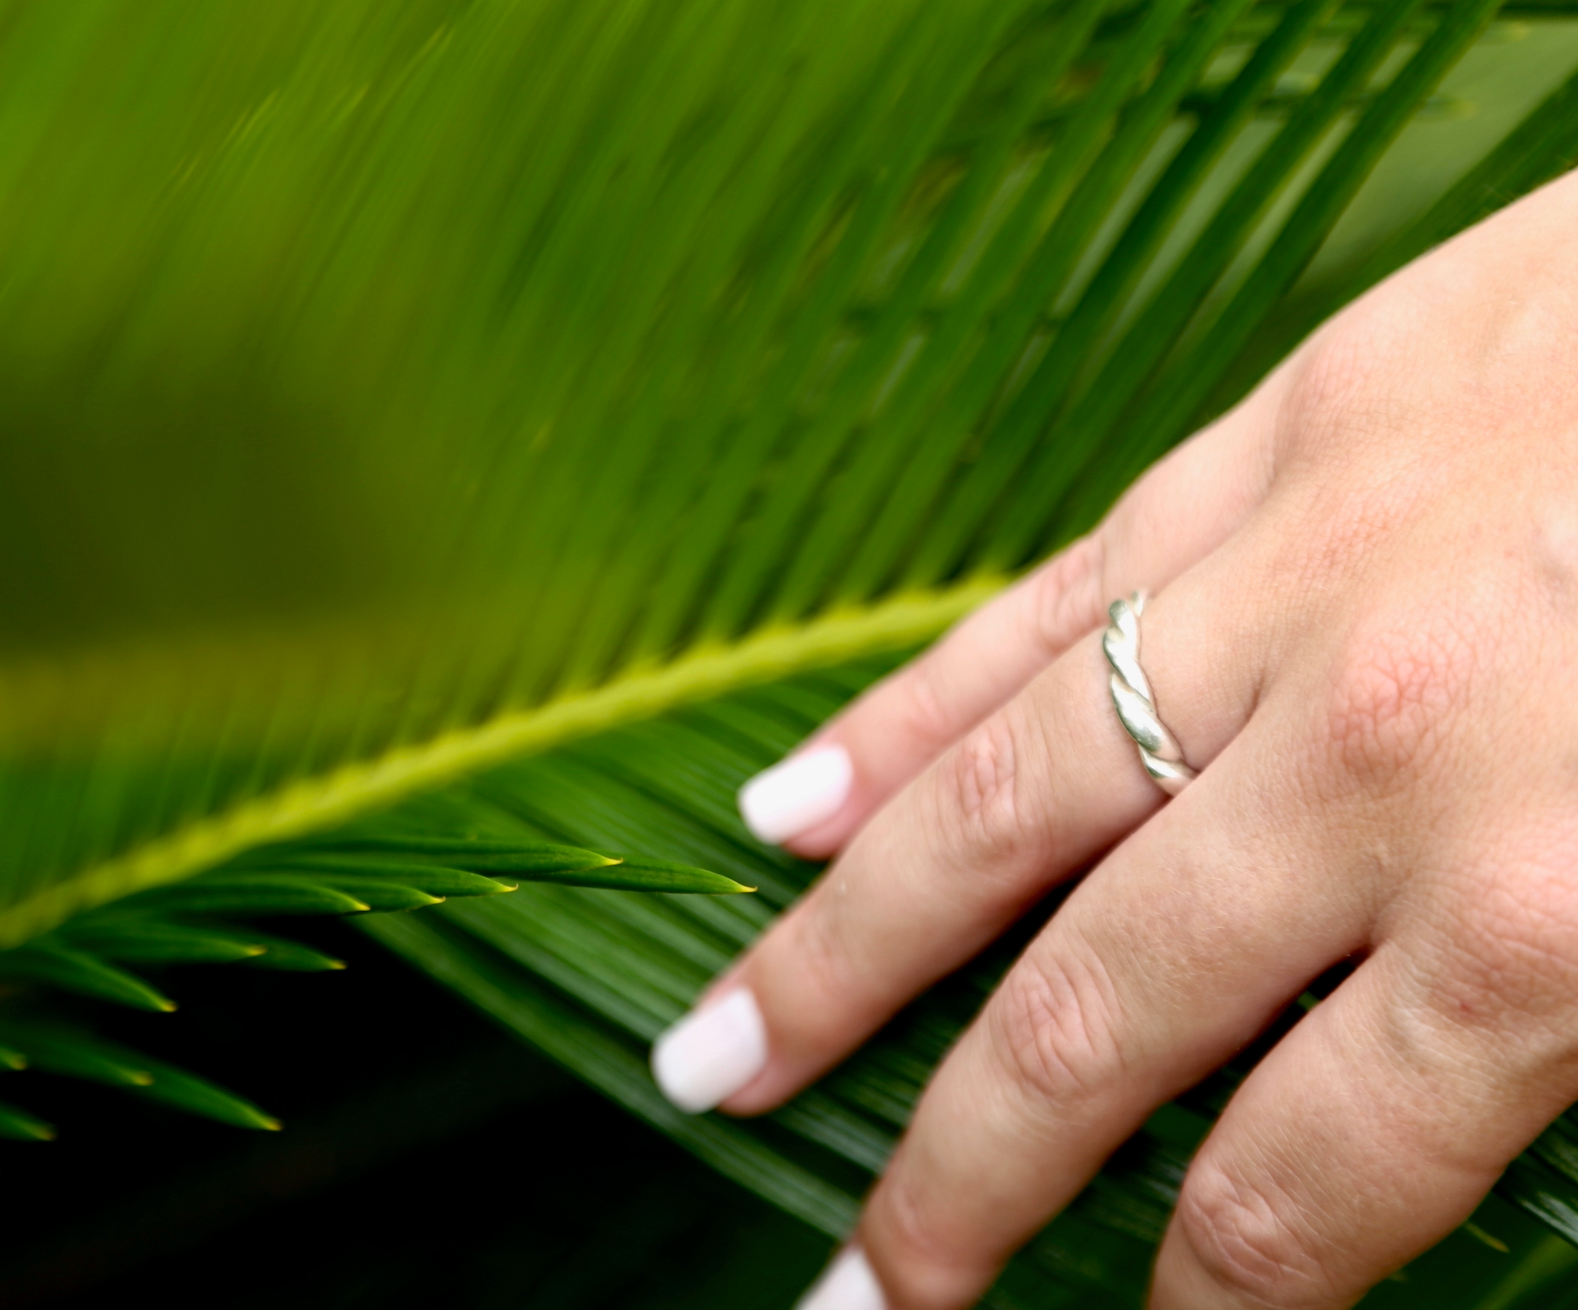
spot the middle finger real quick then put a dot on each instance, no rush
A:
(1175, 952)
(1026, 799)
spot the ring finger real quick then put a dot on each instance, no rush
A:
(1028, 797)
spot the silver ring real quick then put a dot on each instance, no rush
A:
(1136, 704)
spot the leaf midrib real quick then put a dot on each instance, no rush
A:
(316, 802)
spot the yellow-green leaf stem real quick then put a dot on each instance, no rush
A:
(313, 803)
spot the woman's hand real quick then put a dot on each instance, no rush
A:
(1365, 636)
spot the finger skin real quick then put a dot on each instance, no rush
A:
(1126, 999)
(1028, 797)
(1404, 474)
(1367, 1135)
(1179, 512)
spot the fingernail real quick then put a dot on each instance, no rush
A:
(797, 794)
(711, 1053)
(847, 1284)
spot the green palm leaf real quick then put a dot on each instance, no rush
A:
(396, 390)
(296, 582)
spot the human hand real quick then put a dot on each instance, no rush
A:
(1365, 636)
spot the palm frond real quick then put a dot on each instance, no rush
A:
(406, 388)
(231, 288)
(380, 867)
(590, 979)
(72, 1051)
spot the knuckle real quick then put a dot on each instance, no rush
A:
(1337, 368)
(1511, 957)
(1553, 564)
(1055, 1029)
(1391, 697)
(1348, 374)
(819, 958)
(982, 788)
(907, 1235)
(1070, 595)
(923, 716)
(1244, 1239)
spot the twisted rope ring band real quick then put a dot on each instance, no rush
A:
(1136, 704)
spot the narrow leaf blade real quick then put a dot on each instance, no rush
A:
(21, 1126)
(57, 965)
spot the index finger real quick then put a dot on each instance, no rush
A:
(1026, 799)
(1179, 512)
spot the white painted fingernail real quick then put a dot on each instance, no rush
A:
(797, 794)
(848, 1284)
(711, 1053)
